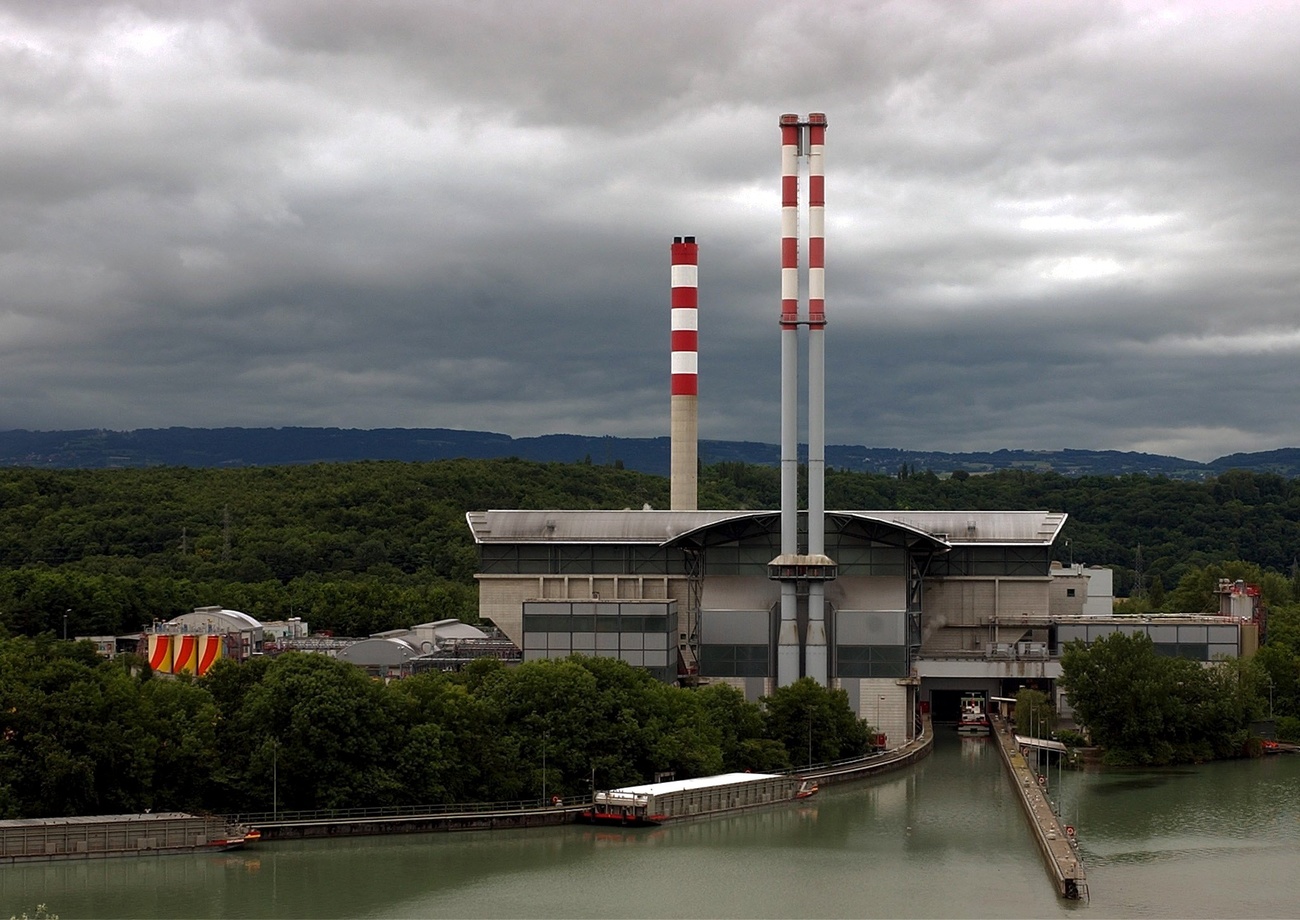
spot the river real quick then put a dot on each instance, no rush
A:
(945, 838)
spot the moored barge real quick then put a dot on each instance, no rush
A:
(101, 836)
(704, 796)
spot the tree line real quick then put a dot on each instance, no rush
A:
(84, 735)
(363, 547)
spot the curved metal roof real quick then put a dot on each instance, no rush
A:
(936, 531)
(921, 530)
(380, 651)
(207, 616)
(653, 527)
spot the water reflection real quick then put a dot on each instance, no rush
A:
(945, 838)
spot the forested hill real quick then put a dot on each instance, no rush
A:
(368, 546)
(236, 447)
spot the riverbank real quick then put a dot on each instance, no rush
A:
(945, 838)
(447, 819)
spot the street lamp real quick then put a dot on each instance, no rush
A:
(275, 779)
(810, 736)
(1270, 695)
(65, 623)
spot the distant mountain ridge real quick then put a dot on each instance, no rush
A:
(234, 447)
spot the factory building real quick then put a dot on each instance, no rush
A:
(903, 610)
(192, 642)
(699, 586)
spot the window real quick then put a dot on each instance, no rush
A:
(871, 661)
(734, 660)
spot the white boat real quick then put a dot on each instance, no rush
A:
(974, 717)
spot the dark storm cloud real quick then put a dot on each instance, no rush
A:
(1049, 225)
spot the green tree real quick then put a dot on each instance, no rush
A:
(1147, 709)
(1035, 714)
(182, 720)
(326, 730)
(814, 724)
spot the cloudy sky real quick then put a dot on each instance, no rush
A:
(1049, 225)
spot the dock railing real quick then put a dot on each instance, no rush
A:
(281, 816)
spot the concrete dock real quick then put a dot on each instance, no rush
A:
(1055, 839)
(866, 767)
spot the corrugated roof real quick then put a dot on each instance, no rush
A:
(984, 527)
(660, 527)
(653, 527)
(206, 615)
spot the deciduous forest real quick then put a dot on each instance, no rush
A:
(83, 735)
(362, 547)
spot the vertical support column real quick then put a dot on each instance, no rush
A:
(815, 650)
(685, 412)
(787, 641)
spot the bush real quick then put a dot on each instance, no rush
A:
(1070, 738)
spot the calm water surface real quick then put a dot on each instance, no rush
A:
(945, 839)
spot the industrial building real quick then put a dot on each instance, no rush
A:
(693, 592)
(903, 610)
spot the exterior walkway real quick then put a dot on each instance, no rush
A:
(1058, 846)
(847, 771)
(360, 822)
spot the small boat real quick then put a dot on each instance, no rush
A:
(657, 803)
(236, 840)
(974, 718)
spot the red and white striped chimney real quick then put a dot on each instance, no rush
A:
(685, 412)
(812, 567)
(816, 651)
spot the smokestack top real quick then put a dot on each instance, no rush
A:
(790, 120)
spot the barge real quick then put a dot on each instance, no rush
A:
(102, 836)
(705, 796)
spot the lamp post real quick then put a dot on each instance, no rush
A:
(1270, 695)
(275, 779)
(810, 736)
(65, 623)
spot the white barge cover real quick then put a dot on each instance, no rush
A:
(699, 782)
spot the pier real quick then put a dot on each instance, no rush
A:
(1055, 840)
(361, 822)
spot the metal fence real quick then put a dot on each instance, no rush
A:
(263, 818)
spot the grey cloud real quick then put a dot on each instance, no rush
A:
(1048, 226)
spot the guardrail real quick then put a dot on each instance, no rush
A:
(379, 812)
(390, 811)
